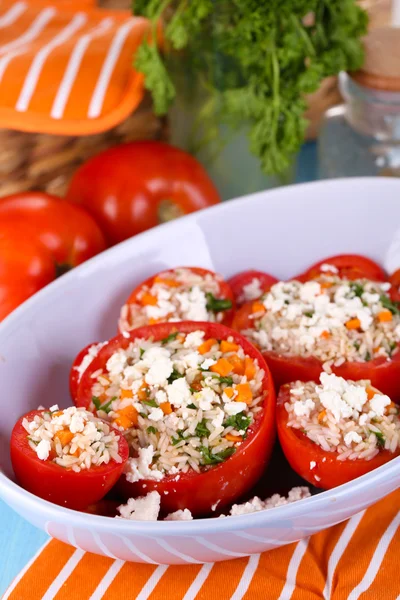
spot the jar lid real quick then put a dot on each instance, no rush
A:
(381, 69)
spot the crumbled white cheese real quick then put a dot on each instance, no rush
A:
(352, 436)
(116, 363)
(139, 468)
(252, 290)
(207, 363)
(313, 464)
(378, 404)
(179, 393)
(193, 304)
(303, 408)
(180, 515)
(43, 449)
(327, 268)
(156, 414)
(206, 398)
(88, 358)
(53, 408)
(193, 339)
(256, 504)
(159, 363)
(77, 423)
(363, 419)
(309, 291)
(145, 508)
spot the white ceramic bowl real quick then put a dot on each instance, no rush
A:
(282, 231)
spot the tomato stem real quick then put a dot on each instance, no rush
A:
(168, 210)
(62, 268)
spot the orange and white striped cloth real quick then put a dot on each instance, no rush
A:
(66, 66)
(356, 560)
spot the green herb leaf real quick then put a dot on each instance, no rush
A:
(367, 356)
(33, 441)
(170, 338)
(191, 405)
(217, 304)
(151, 429)
(152, 403)
(309, 314)
(174, 375)
(357, 345)
(141, 351)
(105, 407)
(213, 459)
(356, 288)
(176, 440)
(380, 438)
(202, 429)
(228, 380)
(240, 421)
(96, 402)
(389, 305)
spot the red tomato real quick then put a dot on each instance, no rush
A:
(25, 267)
(350, 266)
(394, 280)
(225, 292)
(384, 374)
(300, 451)
(224, 483)
(238, 281)
(59, 485)
(68, 232)
(74, 373)
(132, 187)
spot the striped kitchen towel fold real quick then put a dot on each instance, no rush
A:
(66, 66)
(355, 560)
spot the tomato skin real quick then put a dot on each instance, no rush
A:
(123, 187)
(383, 374)
(56, 484)
(300, 451)
(224, 483)
(25, 267)
(225, 291)
(238, 281)
(350, 266)
(74, 375)
(68, 232)
(394, 280)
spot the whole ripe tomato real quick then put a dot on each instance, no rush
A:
(67, 231)
(224, 483)
(25, 267)
(384, 374)
(65, 487)
(349, 266)
(132, 187)
(301, 453)
(240, 280)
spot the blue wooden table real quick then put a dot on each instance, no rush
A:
(19, 541)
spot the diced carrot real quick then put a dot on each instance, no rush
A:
(223, 367)
(143, 392)
(126, 394)
(229, 392)
(326, 284)
(325, 335)
(148, 299)
(321, 416)
(57, 414)
(65, 436)
(376, 349)
(196, 383)
(244, 393)
(250, 369)
(167, 281)
(207, 345)
(166, 408)
(127, 417)
(258, 307)
(153, 321)
(238, 365)
(353, 324)
(103, 398)
(228, 346)
(77, 452)
(123, 422)
(384, 316)
(233, 438)
(181, 338)
(370, 392)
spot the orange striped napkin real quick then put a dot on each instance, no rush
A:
(356, 560)
(66, 66)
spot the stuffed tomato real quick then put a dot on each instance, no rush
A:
(196, 404)
(351, 328)
(69, 457)
(337, 430)
(180, 294)
(80, 364)
(250, 285)
(346, 266)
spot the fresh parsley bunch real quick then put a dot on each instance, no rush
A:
(260, 59)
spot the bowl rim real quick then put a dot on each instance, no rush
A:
(13, 491)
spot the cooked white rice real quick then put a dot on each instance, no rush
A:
(73, 438)
(178, 295)
(331, 319)
(349, 418)
(176, 409)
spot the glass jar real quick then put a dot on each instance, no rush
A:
(362, 136)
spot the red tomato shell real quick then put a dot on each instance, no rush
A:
(74, 375)
(394, 280)
(350, 266)
(225, 291)
(384, 374)
(300, 451)
(220, 485)
(56, 484)
(238, 281)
